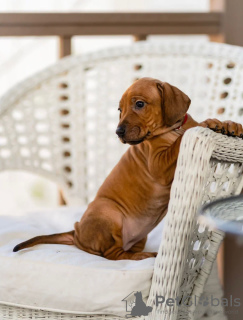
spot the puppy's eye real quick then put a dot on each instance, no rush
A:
(140, 104)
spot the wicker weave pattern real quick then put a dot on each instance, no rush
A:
(61, 123)
(15, 313)
(186, 245)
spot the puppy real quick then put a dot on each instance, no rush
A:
(134, 197)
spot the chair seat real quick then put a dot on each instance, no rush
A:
(63, 278)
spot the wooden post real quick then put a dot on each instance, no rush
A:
(65, 46)
(233, 276)
(217, 6)
(233, 22)
(139, 37)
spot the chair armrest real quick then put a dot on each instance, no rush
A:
(194, 175)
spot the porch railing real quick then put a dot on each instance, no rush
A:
(140, 25)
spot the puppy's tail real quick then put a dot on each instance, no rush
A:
(58, 238)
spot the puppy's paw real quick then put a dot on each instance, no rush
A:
(229, 128)
(233, 129)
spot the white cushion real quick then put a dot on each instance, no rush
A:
(63, 278)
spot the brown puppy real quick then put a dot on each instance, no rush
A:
(134, 197)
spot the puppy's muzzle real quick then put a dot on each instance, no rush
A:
(120, 131)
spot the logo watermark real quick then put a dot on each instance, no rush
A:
(136, 307)
(189, 301)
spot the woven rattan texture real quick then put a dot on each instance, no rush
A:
(185, 245)
(61, 123)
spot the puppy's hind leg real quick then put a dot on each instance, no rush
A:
(139, 246)
(58, 238)
(117, 253)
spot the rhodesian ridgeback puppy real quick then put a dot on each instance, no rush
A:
(134, 197)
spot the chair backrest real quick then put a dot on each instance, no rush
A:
(61, 122)
(209, 166)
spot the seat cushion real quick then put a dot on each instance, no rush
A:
(63, 278)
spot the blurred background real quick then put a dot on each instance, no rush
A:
(22, 56)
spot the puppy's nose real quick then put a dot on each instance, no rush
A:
(120, 131)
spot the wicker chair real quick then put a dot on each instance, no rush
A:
(60, 124)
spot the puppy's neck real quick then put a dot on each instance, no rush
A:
(181, 126)
(190, 123)
(164, 129)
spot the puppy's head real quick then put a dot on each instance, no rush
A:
(148, 105)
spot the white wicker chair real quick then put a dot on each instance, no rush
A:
(61, 123)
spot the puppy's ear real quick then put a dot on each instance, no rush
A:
(174, 104)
